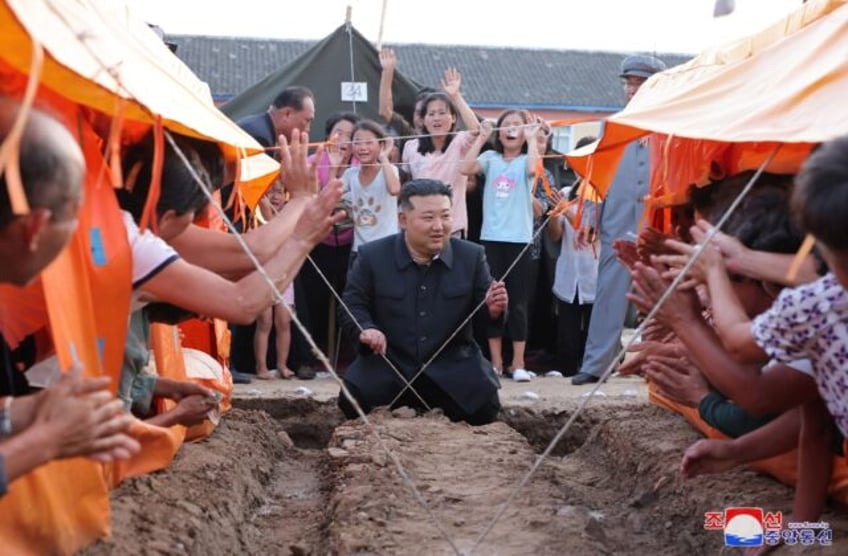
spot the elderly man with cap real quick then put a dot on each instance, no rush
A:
(620, 214)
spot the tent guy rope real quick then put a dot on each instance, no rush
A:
(322, 357)
(611, 367)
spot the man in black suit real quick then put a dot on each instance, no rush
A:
(409, 292)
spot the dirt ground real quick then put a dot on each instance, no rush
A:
(283, 474)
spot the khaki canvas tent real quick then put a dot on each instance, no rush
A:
(342, 58)
(726, 110)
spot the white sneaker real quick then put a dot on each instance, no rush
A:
(521, 375)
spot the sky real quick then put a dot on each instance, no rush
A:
(669, 26)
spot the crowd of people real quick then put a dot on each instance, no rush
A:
(378, 215)
(511, 160)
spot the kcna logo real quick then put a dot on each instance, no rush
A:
(743, 527)
(747, 526)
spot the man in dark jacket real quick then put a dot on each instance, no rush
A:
(409, 294)
(293, 108)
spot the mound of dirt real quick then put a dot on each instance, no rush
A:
(613, 487)
(245, 490)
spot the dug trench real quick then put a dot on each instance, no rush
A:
(288, 476)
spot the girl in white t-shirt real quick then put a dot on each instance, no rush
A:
(371, 189)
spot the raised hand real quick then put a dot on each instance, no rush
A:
(485, 130)
(680, 307)
(709, 258)
(334, 150)
(531, 130)
(386, 149)
(626, 252)
(451, 82)
(300, 177)
(388, 60)
(320, 215)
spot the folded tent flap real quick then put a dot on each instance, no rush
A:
(733, 102)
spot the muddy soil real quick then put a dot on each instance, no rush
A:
(288, 477)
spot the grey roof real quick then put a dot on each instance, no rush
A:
(491, 76)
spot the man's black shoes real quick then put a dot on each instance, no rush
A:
(584, 378)
(305, 373)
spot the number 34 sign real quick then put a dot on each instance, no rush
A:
(354, 91)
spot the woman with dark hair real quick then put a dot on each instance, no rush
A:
(508, 222)
(439, 153)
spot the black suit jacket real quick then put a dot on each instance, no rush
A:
(418, 308)
(260, 127)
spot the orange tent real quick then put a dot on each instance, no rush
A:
(726, 110)
(95, 55)
(98, 55)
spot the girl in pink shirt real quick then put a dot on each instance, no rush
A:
(439, 153)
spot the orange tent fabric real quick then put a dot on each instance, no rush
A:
(727, 109)
(86, 295)
(122, 66)
(57, 509)
(159, 444)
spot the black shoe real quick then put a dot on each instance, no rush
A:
(305, 373)
(584, 378)
(240, 378)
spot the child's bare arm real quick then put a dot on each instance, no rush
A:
(731, 323)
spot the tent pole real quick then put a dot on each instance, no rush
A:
(382, 23)
(348, 28)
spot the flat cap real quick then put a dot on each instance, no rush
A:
(641, 66)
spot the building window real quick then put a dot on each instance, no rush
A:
(562, 139)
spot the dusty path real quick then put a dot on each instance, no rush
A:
(285, 475)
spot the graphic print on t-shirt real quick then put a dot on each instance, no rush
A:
(364, 215)
(504, 187)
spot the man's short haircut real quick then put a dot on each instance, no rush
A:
(423, 188)
(48, 177)
(820, 196)
(337, 117)
(293, 97)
